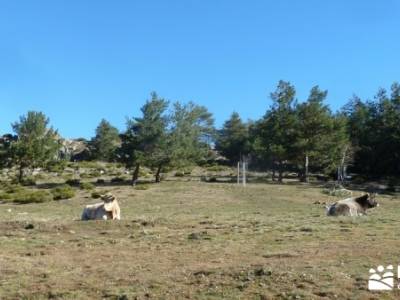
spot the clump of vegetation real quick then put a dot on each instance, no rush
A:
(56, 166)
(179, 174)
(100, 181)
(89, 165)
(96, 195)
(28, 181)
(27, 196)
(73, 182)
(63, 192)
(11, 188)
(208, 179)
(5, 196)
(117, 179)
(87, 186)
(218, 168)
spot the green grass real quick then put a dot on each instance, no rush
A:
(197, 240)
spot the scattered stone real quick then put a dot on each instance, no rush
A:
(262, 272)
(199, 236)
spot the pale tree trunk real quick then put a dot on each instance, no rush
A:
(135, 175)
(305, 179)
(342, 166)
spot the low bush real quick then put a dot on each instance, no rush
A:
(87, 186)
(5, 196)
(25, 197)
(57, 166)
(11, 188)
(117, 179)
(73, 182)
(96, 195)
(218, 168)
(63, 192)
(28, 181)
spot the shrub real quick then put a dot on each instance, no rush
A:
(63, 192)
(212, 179)
(96, 195)
(6, 196)
(73, 182)
(100, 181)
(28, 181)
(25, 197)
(92, 174)
(87, 186)
(11, 188)
(217, 168)
(117, 179)
(57, 166)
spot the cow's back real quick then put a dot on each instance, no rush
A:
(94, 212)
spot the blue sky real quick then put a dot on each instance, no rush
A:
(79, 61)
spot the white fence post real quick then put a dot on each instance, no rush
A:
(244, 173)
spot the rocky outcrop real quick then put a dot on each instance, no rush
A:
(75, 149)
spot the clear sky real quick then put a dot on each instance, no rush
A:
(82, 60)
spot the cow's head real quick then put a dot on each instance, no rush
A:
(367, 201)
(372, 202)
(111, 205)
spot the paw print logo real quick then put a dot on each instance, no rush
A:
(381, 279)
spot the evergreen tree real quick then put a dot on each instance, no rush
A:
(233, 139)
(146, 140)
(37, 144)
(315, 129)
(277, 129)
(191, 131)
(106, 141)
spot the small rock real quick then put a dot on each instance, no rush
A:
(262, 272)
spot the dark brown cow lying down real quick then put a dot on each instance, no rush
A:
(354, 206)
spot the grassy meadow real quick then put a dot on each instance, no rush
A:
(187, 239)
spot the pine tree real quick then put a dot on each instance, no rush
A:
(106, 141)
(315, 127)
(146, 140)
(37, 144)
(233, 139)
(277, 129)
(191, 131)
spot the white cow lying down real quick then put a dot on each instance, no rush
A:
(106, 210)
(354, 206)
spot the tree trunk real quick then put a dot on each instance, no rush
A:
(273, 171)
(135, 175)
(280, 170)
(305, 177)
(21, 173)
(158, 177)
